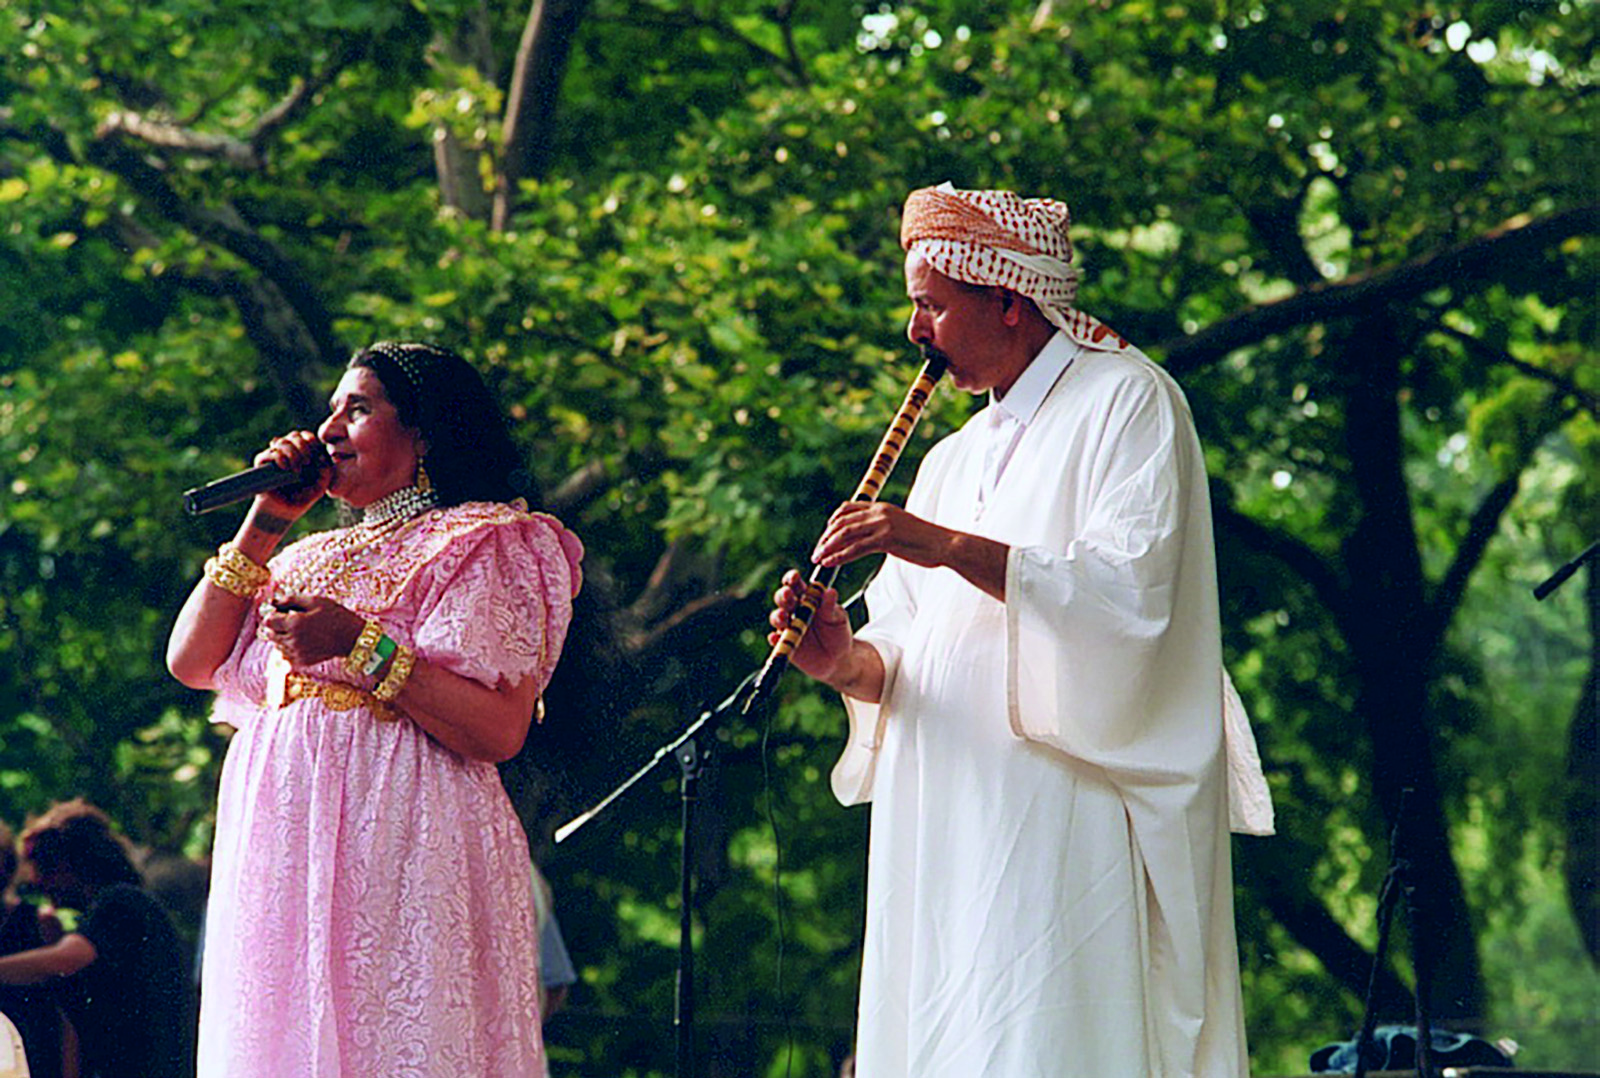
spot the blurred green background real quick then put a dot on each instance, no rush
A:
(1362, 234)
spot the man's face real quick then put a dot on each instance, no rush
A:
(964, 323)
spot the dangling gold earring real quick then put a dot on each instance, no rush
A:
(423, 483)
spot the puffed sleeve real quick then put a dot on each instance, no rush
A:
(497, 602)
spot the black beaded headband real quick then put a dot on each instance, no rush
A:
(412, 359)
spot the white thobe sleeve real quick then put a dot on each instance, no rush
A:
(893, 606)
(1104, 641)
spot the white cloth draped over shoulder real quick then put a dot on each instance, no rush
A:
(1049, 776)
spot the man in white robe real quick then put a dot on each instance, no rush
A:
(1037, 701)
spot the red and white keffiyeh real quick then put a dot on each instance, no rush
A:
(996, 238)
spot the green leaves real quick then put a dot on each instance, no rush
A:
(695, 316)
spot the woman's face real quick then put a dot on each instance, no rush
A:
(373, 453)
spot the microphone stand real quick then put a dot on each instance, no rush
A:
(1398, 882)
(693, 748)
(694, 751)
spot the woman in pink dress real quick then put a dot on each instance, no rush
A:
(371, 908)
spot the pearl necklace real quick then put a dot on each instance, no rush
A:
(403, 504)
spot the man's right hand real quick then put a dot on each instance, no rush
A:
(828, 638)
(829, 651)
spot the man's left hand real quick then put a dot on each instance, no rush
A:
(857, 529)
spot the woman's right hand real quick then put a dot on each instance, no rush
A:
(298, 451)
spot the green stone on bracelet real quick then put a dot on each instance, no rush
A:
(381, 651)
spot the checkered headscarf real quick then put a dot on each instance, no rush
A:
(996, 238)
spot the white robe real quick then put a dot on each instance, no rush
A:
(1049, 886)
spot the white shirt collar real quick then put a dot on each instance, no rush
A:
(1033, 385)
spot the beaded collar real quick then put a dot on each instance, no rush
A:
(403, 504)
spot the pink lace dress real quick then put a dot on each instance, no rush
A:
(371, 909)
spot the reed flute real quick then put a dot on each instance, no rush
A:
(883, 462)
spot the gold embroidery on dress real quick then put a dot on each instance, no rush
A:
(361, 568)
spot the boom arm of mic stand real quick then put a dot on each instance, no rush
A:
(566, 830)
(1559, 577)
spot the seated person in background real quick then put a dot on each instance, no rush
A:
(121, 976)
(23, 927)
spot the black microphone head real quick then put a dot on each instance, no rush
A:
(241, 486)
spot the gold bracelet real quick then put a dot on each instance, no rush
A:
(399, 670)
(232, 558)
(360, 655)
(228, 580)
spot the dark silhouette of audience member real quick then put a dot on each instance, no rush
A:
(556, 974)
(121, 976)
(23, 927)
(180, 884)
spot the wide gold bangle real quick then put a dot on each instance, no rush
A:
(230, 557)
(228, 580)
(360, 655)
(399, 670)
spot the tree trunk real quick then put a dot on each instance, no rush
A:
(531, 99)
(1278, 872)
(1387, 633)
(458, 166)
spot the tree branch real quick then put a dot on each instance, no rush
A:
(665, 578)
(289, 293)
(1315, 929)
(170, 136)
(301, 96)
(1311, 566)
(1490, 354)
(245, 153)
(1497, 254)
(51, 140)
(700, 619)
(531, 100)
(1481, 528)
(1278, 226)
(784, 16)
(224, 228)
(577, 489)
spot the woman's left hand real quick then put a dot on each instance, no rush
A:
(309, 629)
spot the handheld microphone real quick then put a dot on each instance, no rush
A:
(241, 486)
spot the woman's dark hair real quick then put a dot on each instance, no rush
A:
(77, 834)
(471, 457)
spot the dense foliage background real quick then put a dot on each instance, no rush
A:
(1361, 232)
